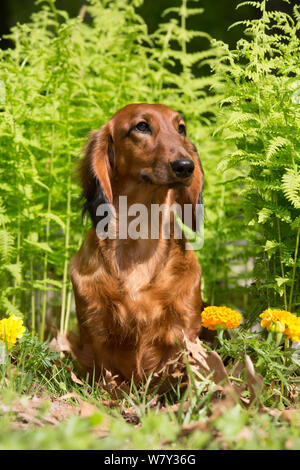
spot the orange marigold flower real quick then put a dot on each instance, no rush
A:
(11, 329)
(293, 329)
(281, 321)
(270, 316)
(220, 317)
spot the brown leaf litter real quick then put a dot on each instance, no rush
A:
(37, 411)
(205, 365)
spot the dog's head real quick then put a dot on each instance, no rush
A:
(142, 144)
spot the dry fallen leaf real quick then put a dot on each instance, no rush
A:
(176, 407)
(130, 415)
(87, 409)
(216, 366)
(226, 399)
(38, 411)
(255, 381)
(153, 402)
(236, 368)
(198, 352)
(291, 415)
(75, 379)
(187, 429)
(70, 395)
(60, 343)
(29, 418)
(109, 403)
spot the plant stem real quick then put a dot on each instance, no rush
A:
(32, 300)
(286, 345)
(69, 302)
(294, 269)
(45, 268)
(67, 239)
(183, 24)
(281, 263)
(66, 262)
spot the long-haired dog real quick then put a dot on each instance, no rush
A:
(136, 298)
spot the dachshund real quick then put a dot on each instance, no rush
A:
(137, 297)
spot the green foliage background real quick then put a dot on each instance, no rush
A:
(66, 76)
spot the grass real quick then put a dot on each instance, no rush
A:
(235, 430)
(44, 405)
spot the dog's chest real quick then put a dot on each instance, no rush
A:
(136, 281)
(144, 273)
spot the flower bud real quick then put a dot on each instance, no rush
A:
(277, 327)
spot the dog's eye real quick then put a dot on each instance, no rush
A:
(143, 127)
(182, 129)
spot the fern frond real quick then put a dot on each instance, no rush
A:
(6, 244)
(291, 187)
(276, 144)
(8, 308)
(249, 3)
(15, 270)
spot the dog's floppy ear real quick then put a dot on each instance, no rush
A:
(96, 171)
(193, 194)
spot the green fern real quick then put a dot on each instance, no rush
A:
(262, 121)
(291, 187)
(6, 245)
(65, 76)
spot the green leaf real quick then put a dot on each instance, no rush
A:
(271, 247)
(41, 246)
(15, 270)
(264, 215)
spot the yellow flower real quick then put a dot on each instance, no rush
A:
(293, 329)
(281, 321)
(11, 329)
(220, 317)
(270, 316)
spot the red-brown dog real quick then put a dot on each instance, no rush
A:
(136, 297)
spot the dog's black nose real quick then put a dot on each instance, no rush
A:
(183, 168)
